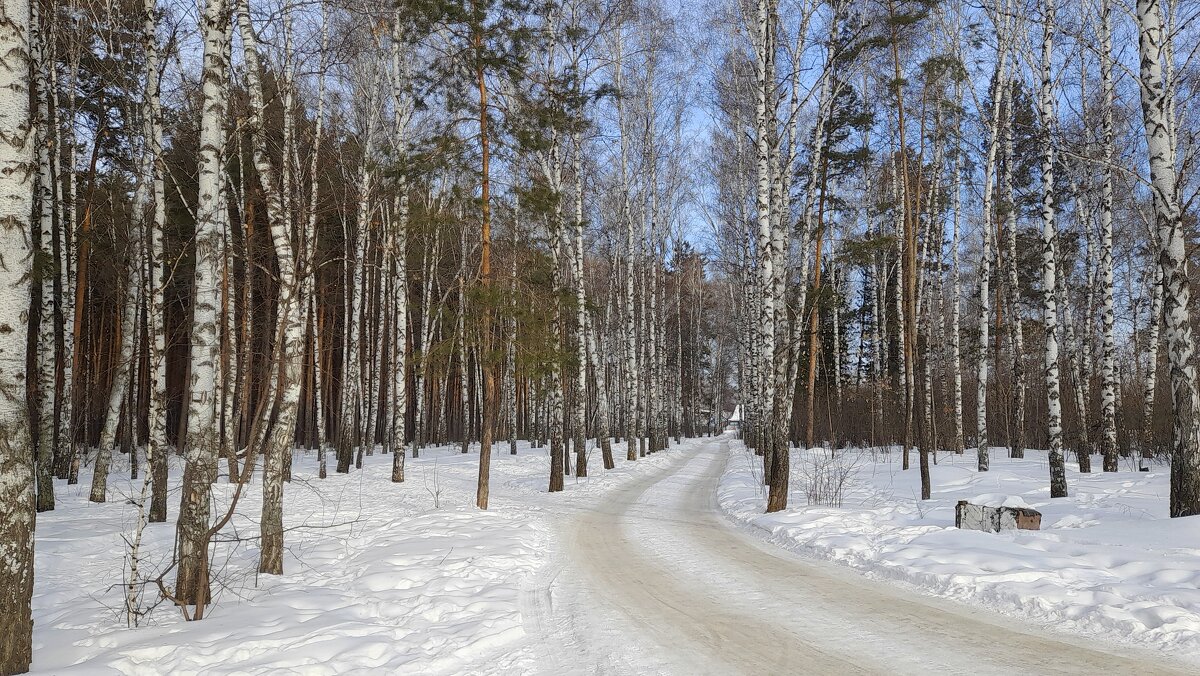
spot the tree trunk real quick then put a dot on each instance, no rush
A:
(289, 335)
(958, 445)
(17, 161)
(399, 251)
(1016, 330)
(1108, 371)
(202, 441)
(1150, 386)
(1046, 117)
(581, 352)
(485, 278)
(1156, 94)
(42, 383)
(985, 264)
(630, 376)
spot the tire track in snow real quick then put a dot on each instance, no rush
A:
(668, 587)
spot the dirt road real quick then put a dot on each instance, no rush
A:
(656, 581)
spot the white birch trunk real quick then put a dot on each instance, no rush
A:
(68, 272)
(510, 338)
(1108, 375)
(429, 265)
(202, 443)
(460, 336)
(1150, 386)
(402, 102)
(1015, 329)
(1077, 341)
(43, 404)
(551, 166)
(958, 444)
(1156, 97)
(581, 352)
(765, 326)
(350, 423)
(156, 445)
(1046, 117)
(310, 237)
(631, 375)
(121, 375)
(985, 264)
(17, 180)
(289, 335)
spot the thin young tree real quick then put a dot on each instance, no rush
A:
(42, 384)
(1108, 370)
(1001, 20)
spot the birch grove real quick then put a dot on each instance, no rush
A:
(910, 267)
(245, 241)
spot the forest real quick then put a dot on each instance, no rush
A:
(262, 243)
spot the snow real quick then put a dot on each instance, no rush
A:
(998, 500)
(411, 578)
(1108, 561)
(379, 577)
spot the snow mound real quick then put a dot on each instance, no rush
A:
(999, 500)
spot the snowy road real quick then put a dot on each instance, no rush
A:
(654, 580)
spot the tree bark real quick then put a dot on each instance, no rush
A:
(202, 441)
(1156, 95)
(1046, 116)
(985, 264)
(1108, 371)
(17, 500)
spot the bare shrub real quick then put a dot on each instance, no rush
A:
(824, 476)
(433, 483)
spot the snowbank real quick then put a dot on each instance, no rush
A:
(379, 577)
(1107, 562)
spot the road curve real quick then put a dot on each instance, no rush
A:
(701, 597)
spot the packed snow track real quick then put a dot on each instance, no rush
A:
(655, 580)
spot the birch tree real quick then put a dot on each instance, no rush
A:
(308, 289)
(581, 351)
(776, 463)
(17, 164)
(202, 442)
(1046, 118)
(1156, 96)
(1108, 376)
(156, 267)
(631, 373)
(1016, 331)
(958, 444)
(1001, 20)
(289, 336)
(43, 297)
(398, 245)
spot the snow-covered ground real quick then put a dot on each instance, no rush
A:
(411, 578)
(1106, 563)
(379, 577)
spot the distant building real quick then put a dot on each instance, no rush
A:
(734, 422)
